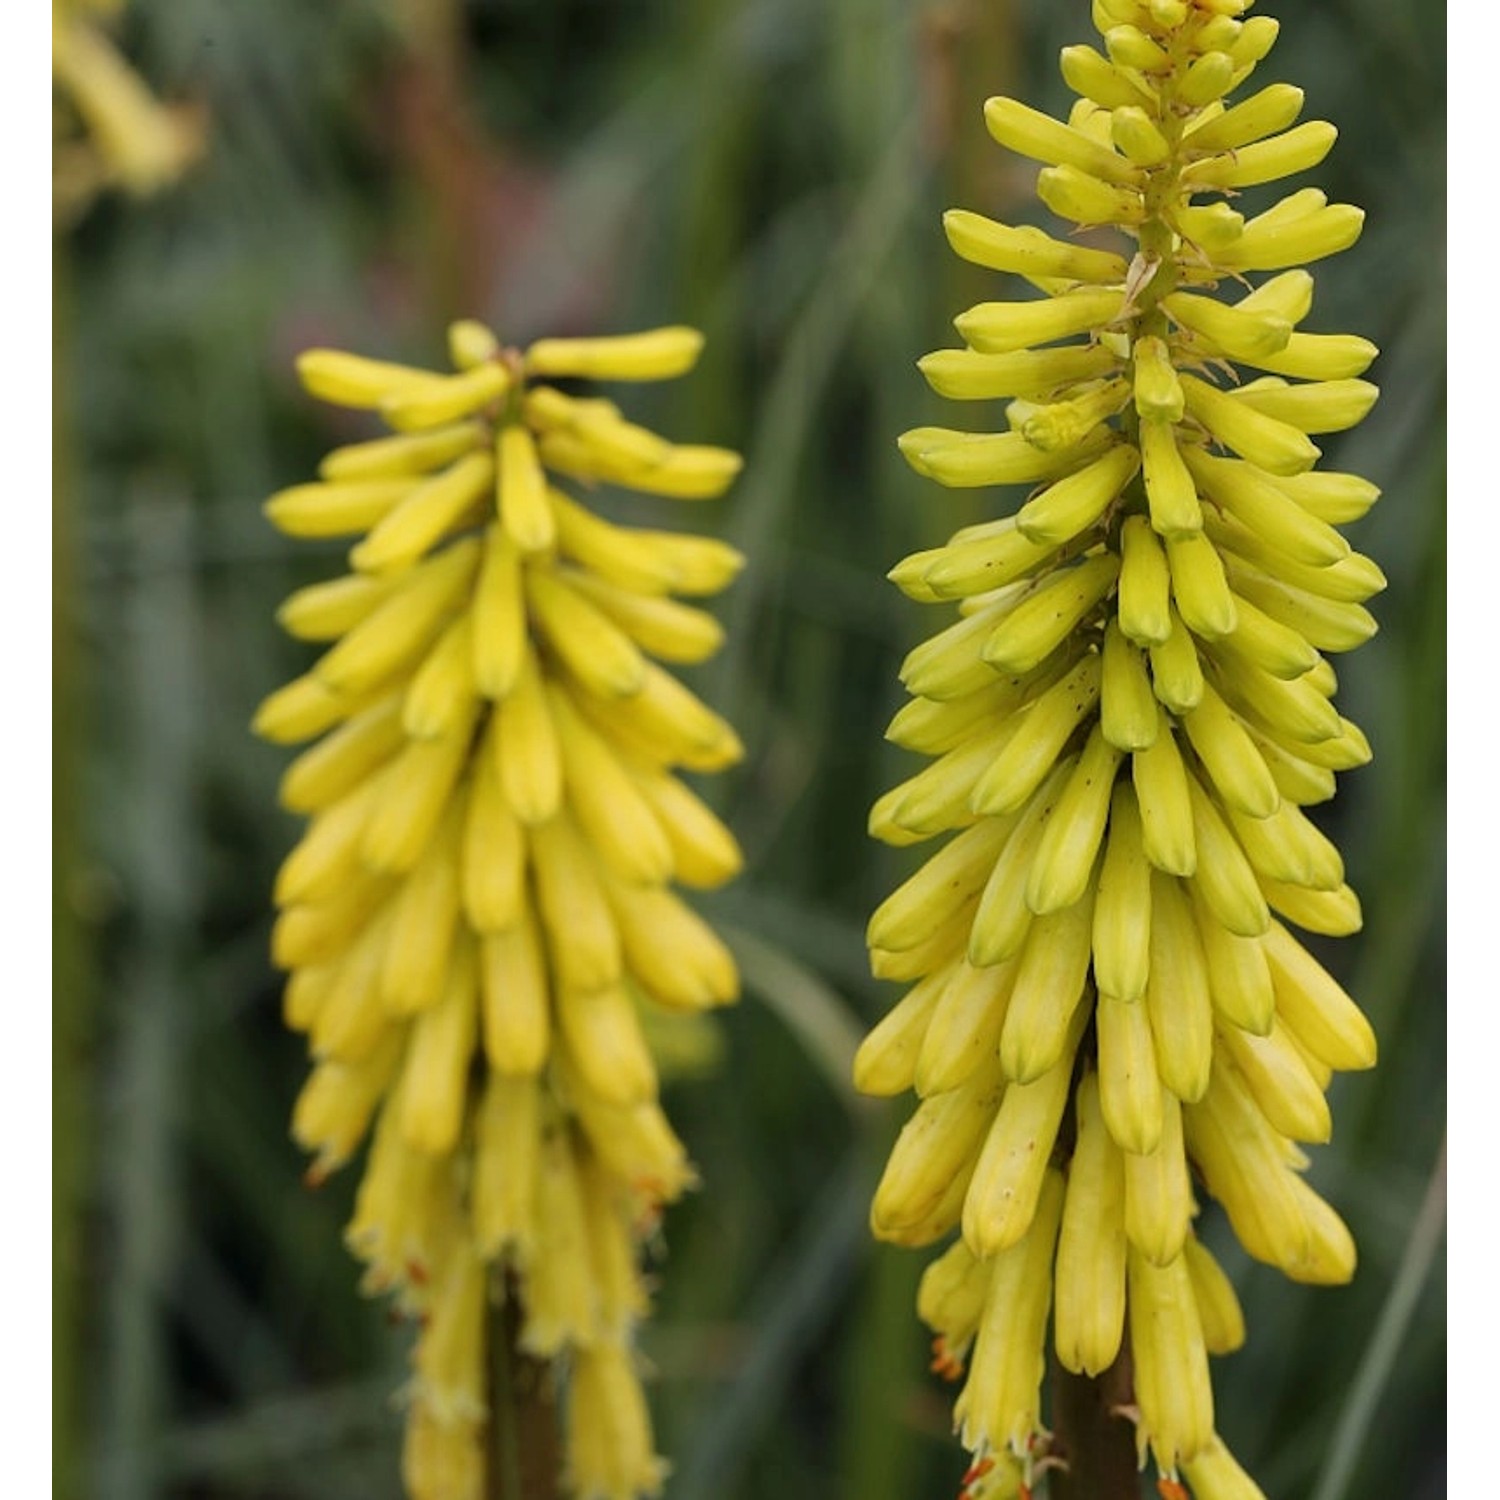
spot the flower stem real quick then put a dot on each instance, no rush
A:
(1097, 1446)
(524, 1458)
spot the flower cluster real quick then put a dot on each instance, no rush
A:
(477, 923)
(1130, 716)
(115, 133)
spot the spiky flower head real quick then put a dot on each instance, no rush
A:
(478, 924)
(111, 132)
(1128, 719)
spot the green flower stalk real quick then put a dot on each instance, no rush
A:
(478, 923)
(1109, 1010)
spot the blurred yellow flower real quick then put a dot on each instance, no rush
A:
(478, 925)
(109, 130)
(1128, 719)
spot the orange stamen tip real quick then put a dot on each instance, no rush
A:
(1025, 1491)
(416, 1272)
(1170, 1489)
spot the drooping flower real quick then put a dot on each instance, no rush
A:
(479, 918)
(1128, 720)
(114, 133)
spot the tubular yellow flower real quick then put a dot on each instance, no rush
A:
(478, 921)
(1131, 714)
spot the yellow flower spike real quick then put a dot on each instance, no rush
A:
(480, 906)
(1168, 593)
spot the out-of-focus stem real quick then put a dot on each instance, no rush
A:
(525, 1460)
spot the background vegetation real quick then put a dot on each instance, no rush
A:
(772, 171)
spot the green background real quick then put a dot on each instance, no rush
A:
(772, 171)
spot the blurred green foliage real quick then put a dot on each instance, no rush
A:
(772, 171)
